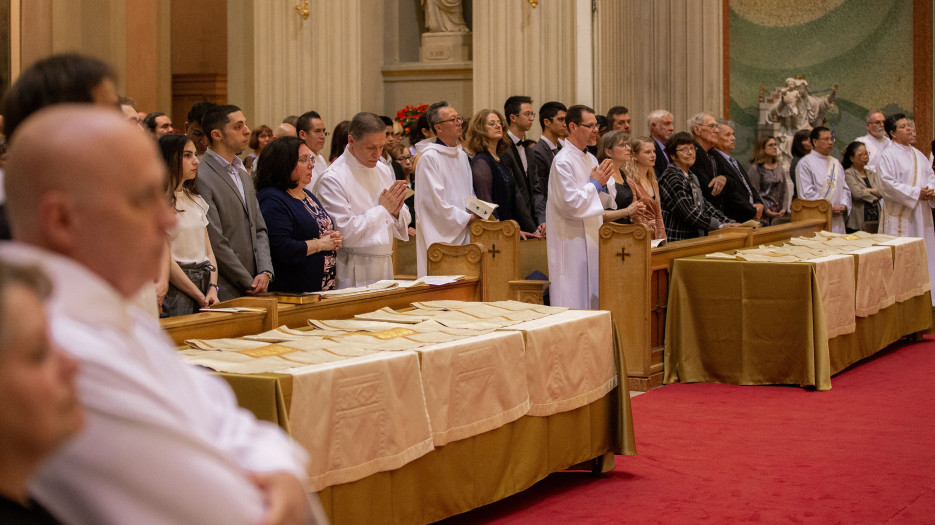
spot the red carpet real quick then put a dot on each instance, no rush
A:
(862, 453)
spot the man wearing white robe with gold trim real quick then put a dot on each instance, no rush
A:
(365, 201)
(908, 186)
(821, 176)
(443, 184)
(574, 213)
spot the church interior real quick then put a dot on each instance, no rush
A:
(713, 379)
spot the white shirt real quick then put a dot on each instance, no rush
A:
(164, 442)
(822, 177)
(350, 193)
(574, 214)
(874, 148)
(232, 169)
(443, 184)
(521, 150)
(321, 165)
(188, 241)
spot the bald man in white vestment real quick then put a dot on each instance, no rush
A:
(908, 186)
(164, 442)
(821, 176)
(443, 184)
(574, 213)
(365, 201)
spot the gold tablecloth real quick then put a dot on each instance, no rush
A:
(469, 472)
(760, 323)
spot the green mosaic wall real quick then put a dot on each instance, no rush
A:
(863, 45)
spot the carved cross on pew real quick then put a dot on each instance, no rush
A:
(493, 251)
(623, 255)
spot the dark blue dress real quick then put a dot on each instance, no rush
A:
(289, 223)
(493, 182)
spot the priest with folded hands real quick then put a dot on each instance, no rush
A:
(365, 202)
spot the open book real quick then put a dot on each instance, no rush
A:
(482, 209)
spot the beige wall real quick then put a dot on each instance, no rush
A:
(355, 55)
(659, 54)
(131, 35)
(543, 54)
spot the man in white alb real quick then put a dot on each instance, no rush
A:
(875, 140)
(164, 442)
(443, 184)
(908, 186)
(365, 201)
(821, 176)
(574, 213)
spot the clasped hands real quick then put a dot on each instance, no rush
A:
(393, 198)
(927, 194)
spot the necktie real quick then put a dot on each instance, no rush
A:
(743, 179)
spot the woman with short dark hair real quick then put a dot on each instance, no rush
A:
(302, 239)
(863, 183)
(685, 211)
(801, 146)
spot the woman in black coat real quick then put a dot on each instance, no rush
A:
(302, 239)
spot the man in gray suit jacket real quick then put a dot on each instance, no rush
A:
(235, 226)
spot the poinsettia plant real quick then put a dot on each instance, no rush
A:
(409, 115)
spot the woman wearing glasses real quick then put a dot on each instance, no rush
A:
(685, 211)
(493, 182)
(302, 239)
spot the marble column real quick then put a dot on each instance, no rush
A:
(521, 50)
(280, 64)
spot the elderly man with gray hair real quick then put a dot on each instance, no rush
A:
(365, 201)
(661, 127)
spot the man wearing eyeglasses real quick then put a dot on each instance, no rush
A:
(574, 213)
(875, 140)
(821, 176)
(310, 128)
(519, 114)
(443, 185)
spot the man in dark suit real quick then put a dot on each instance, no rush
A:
(552, 121)
(519, 115)
(741, 201)
(660, 129)
(704, 129)
(235, 226)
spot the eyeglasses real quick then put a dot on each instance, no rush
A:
(529, 114)
(589, 126)
(321, 131)
(306, 159)
(496, 124)
(406, 158)
(685, 151)
(456, 120)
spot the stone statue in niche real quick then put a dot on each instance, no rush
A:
(448, 38)
(444, 16)
(791, 108)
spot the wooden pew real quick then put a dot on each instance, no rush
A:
(295, 311)
(634, 279)
(504, 255)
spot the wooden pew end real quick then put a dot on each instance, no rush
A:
(528, 291)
